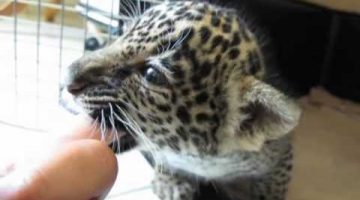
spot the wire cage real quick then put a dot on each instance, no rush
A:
(40, 37)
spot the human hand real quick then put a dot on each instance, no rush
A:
(77, 167)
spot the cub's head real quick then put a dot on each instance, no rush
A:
(184, 77)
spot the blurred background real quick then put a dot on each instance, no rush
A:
(40, 37)
(316, 46)
(37, 39)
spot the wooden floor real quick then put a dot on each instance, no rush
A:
(327, 152)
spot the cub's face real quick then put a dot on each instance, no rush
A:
(173, 79)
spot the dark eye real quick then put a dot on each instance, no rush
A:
(153, 75)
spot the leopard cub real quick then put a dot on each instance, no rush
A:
(186, 81)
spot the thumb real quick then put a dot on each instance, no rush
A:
(80, 169)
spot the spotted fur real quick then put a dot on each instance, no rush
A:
(187, 81)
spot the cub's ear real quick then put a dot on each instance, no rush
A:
(259, 112)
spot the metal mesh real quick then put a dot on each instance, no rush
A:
(34, 50)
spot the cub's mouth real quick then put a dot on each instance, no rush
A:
(106, 117)
(110, 120)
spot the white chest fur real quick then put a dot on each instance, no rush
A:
(215, 167)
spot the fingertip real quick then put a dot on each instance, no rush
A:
(87, 131)
(105, 161)
(94, 163)
(81, 169)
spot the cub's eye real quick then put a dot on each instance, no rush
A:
(153, 75)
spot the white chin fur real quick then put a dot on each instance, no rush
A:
(69, 103)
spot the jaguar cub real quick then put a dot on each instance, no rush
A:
(186, 81)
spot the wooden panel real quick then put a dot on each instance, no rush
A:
(8, 9)
(344, 5)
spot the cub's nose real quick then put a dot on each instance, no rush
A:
(76, 87)
(73, 79)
